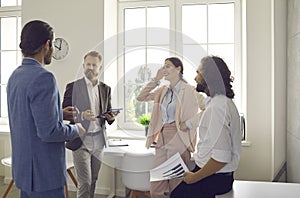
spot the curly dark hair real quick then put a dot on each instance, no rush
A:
(217, 76)
(34, 35)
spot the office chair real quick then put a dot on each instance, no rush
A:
(136, 173)
(69, 165)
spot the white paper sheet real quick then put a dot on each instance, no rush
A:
(174, 167)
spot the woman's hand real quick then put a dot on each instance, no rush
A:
(183, 126)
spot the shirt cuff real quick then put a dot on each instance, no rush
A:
(221, 155)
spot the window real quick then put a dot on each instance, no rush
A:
(188, 29)
(10, 55)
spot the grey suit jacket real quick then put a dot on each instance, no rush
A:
(76, 94)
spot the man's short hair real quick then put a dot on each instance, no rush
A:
(93, 54)
(34, 35)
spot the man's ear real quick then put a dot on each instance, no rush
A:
(48, 44)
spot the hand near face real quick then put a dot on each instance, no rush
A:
(159, 74)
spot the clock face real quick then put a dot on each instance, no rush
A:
(61, 48)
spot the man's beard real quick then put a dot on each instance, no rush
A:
(201, 87)
(90, 74)
(48, 57)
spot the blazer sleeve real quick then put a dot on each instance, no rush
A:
(47, 112)
(148, 93)
(67, 101)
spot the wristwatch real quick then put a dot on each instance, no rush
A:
(155, 81)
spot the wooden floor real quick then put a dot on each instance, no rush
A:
(14, 192)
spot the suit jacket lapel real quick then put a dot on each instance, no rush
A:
(101, 98)
(84, 95)
(179, 99)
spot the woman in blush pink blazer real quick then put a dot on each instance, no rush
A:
(174, 119)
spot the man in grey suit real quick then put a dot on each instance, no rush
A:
(92, 99)
(38, 134)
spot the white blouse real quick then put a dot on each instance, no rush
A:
(219, 134)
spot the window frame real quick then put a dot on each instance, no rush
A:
(9, 11)
(176, 43)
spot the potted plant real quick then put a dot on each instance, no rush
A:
(144, 120)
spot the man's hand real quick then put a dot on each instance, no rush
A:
(81, 130)
(109, 116)
(88, 115)
(70, 113)
(189, 177)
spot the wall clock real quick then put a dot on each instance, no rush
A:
(61, 48)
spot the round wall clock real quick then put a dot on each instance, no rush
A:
(61, 48)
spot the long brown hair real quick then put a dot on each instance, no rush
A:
(217, 76)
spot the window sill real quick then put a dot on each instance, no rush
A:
(246, 143)
(4, 128)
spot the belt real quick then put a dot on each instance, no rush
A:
(225, 174)
(93, 133)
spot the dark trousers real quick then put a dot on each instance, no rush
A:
(208, 187)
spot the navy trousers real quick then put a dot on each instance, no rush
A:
(208, 187)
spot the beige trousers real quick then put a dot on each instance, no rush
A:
(169, 143)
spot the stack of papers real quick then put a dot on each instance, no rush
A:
(174, 167)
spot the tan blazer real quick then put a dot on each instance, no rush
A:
(188, 106)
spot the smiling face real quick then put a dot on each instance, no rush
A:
(170, 71)
(91, 66)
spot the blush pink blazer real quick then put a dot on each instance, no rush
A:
(188, 107)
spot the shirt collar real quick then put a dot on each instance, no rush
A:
(28, 59)
(207, 100)
(176, 88)
(88, 82)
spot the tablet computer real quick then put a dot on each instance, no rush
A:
(112, 111)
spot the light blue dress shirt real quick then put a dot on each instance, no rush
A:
(168, 106)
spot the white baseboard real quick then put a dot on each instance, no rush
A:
(102, 191)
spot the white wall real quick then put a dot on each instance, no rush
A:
(293, 107)
(81, 23)
(279, 88)
(265, 55)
